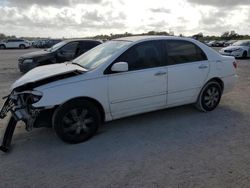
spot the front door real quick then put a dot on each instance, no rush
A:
(143, 88)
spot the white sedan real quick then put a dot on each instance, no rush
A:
(119, 78)
(238, 49)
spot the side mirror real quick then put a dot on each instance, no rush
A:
(120, 67)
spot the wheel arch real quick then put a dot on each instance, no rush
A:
(217, 79)
(214, 79)
(94, 101)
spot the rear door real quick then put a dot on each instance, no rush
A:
(188, 68)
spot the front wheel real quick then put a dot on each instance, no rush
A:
(209, 97)
(76, 121)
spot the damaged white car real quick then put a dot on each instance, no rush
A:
(116, 79)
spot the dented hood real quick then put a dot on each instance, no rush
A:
(46, 72)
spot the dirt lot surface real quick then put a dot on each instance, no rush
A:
(178, 147)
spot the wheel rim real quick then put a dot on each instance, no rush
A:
(212, 97)
(78, 122)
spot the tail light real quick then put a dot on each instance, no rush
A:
(235, 64)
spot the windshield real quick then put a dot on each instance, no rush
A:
(100, 54)
(57, 46)
(241, 43)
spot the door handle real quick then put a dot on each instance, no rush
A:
(161, 73)
(203, 66)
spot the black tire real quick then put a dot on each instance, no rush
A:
(70, 121)
(209, 97)
(244, 55)
(22, 46)
(2, 46)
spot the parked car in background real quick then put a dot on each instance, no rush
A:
(51, 42)
(211, 43)
(59, 53)
(219, 43)
(229, 43)
(214, 43)
(46, 43)
(119, 78)
(14, 43)
(237, 49)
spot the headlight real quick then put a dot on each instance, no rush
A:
(28, 61)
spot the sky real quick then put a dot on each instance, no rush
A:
(84, 18)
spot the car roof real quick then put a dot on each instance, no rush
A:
(150, 37)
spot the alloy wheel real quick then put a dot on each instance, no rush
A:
(77, 122)
(212, 97)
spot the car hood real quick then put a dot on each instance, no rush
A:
(35, 54)
(47, 72)
(234, 48)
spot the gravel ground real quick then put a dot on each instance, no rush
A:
(178, 147)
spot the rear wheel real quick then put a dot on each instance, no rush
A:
(76, 121)
(21, 46)
(209, 97)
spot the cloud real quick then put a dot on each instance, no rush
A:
(76, 18)
(52, 3)
(81, 20)
(220, 3)
(160, 10)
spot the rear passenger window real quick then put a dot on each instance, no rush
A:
(142, 56)
(179, 52)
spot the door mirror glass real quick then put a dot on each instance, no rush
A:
(120, 67)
